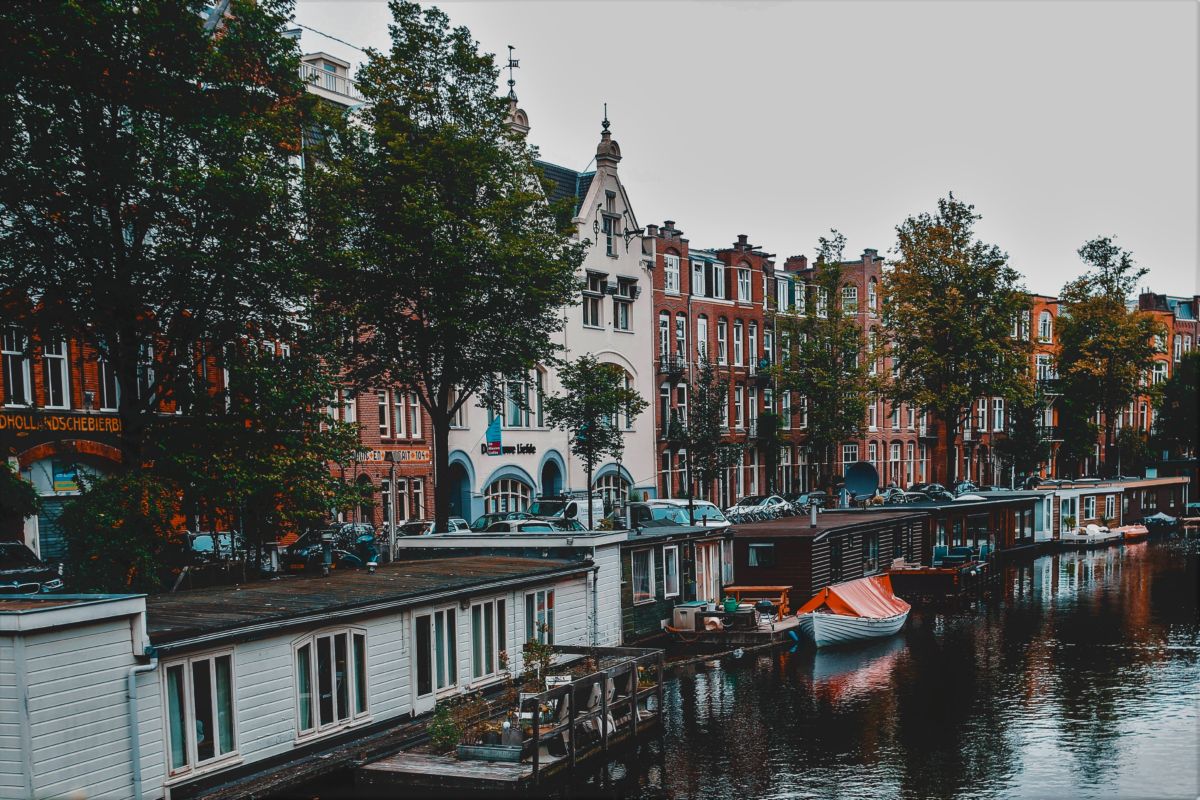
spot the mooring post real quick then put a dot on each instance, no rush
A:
(604, 709)
(633, 697)
(571, 716)
(660, 686)
(537, 737)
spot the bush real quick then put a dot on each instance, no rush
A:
(18, 498)
(118, 532)
(444, 730)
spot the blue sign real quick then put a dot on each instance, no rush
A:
(493, 437)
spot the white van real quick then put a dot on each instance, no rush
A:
(569, 508)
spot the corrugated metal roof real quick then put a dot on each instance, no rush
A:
(566, 183)
(294, 600)
(826, 521)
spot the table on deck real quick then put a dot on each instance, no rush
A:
(776, 594)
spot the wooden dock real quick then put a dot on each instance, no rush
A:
(588, 717)
(786, 628)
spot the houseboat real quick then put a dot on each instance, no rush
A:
(236, 688)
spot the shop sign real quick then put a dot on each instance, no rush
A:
(403, 455)
(514, 449)
(58, 423)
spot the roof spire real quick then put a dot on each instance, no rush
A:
(608, 152)
(512, 64)
(604, 125)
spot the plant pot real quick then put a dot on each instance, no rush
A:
(490, 752)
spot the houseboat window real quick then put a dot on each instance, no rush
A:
(643, 576)
(708, 571)
(336, 663)
(835, 560)
(959, 539)
(488, 638)
(941, 534)
(200, 711)
(1110, 507)
(539, 616)
(871, 558)
(761, 555)
(1089, 507)
(671, 571)
(445, 650)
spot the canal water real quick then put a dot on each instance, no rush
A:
(1080, 678)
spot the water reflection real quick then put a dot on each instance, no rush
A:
(1078, 679)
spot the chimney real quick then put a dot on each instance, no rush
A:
(740, 244)
(870, 254)
(651, 230)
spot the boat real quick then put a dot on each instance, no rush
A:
(1132, 533)
(853, 611)
(1091, 536)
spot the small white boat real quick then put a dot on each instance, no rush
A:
(853, 611)
(1091, 536)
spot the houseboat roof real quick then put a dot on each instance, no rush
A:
(666, 532)
(826, 521)
(1110, 483)
(206, 616)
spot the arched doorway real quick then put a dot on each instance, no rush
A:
(460, 491)
(551, 479)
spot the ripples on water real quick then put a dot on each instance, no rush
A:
(1078, 679)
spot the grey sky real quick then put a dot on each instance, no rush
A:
(1059, 121)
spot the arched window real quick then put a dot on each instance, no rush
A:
(664, 334)
(850, 299)
(681, 336)
(873, 297)
(752, 343)
(737, 343)
(506, 494)
(702, 338)
(613, 489)
(1045, 326)
(722, 341)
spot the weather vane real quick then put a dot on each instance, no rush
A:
(512, 64)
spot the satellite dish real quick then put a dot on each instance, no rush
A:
(862, 479)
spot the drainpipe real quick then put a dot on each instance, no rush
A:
(134, 736)
(595, 604)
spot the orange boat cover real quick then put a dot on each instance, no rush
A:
(865, 597)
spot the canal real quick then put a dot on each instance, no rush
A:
(1079, 678)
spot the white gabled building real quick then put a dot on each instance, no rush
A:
(612, 321)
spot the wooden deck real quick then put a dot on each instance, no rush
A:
(764, 633)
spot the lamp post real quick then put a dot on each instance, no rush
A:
(390, 457)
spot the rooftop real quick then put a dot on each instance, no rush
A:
(827, 521)
(567, 183)
(211, 614)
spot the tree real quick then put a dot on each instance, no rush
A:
(950, 300)
(18, 500)
(146, 183)
(260, 452)
(1026, 444)
(119, 532)
(437, 230)
(594, 398)
(704, 437)
(1176, 427)
(1105, 350)
(827, 366)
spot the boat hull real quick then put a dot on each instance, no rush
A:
(830, 630)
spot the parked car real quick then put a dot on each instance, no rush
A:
(963, 487)
(892, 495)
(705, 513)
(523, 526)
(757, 502)
(205, 546)
(353, 547)
(567, 525)
(915, 497)
(424, 527)
(481, 523)
(648, 514)
(568, 508)
(22, 572)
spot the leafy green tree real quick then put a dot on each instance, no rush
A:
(18, 500)
(1026, 444)
(260, 452)
(1078, 431)
(437, 230)
(1133, 450)
(709, 453)
(119, 533)
(146, 183)
(593, 400)
(1105, 350)
(828, 365)
(950, 300)
(1176, 427)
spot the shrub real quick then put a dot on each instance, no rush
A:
(444, 730)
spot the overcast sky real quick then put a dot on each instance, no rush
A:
(1059, 121)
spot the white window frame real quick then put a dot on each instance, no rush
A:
(722, 341)
(651, 595)
(745, 290)
(752, 554)
(718, 280)
(546, 596)
(850, 299)
(499, 632)
(414, 409)
(1089, 507)
(192, 764)
(670, 273)
(385, 416)
(61, 364)
(738, 354)
(697, 285)
(1110, 506)
(671, 557)
(355, 716)
(997, 413)
(13, 349)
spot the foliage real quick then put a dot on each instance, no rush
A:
(537, 657)
(118, 532)
(443, 729)
(18, 498)
(827, 366)
(260, 451)
(769, 440)
(436, 229)
(146, 186)
(950, 302)
(1176, 427)
(1105, 349)
(593, 400)
(1026, 447)
(1078, 431)
(708, 453)
(1133, 450)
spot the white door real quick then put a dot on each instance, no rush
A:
(424, 696)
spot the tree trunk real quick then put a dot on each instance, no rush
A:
(591, 525)
(951, 423)
(441, 472)
(1107, 451)
(123, 360)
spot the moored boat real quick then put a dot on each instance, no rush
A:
(1091, 536)
(1132, 533)
(853, 611)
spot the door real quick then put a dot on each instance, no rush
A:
(424, 696)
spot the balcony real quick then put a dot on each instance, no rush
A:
(671, 364)
(330, 82)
